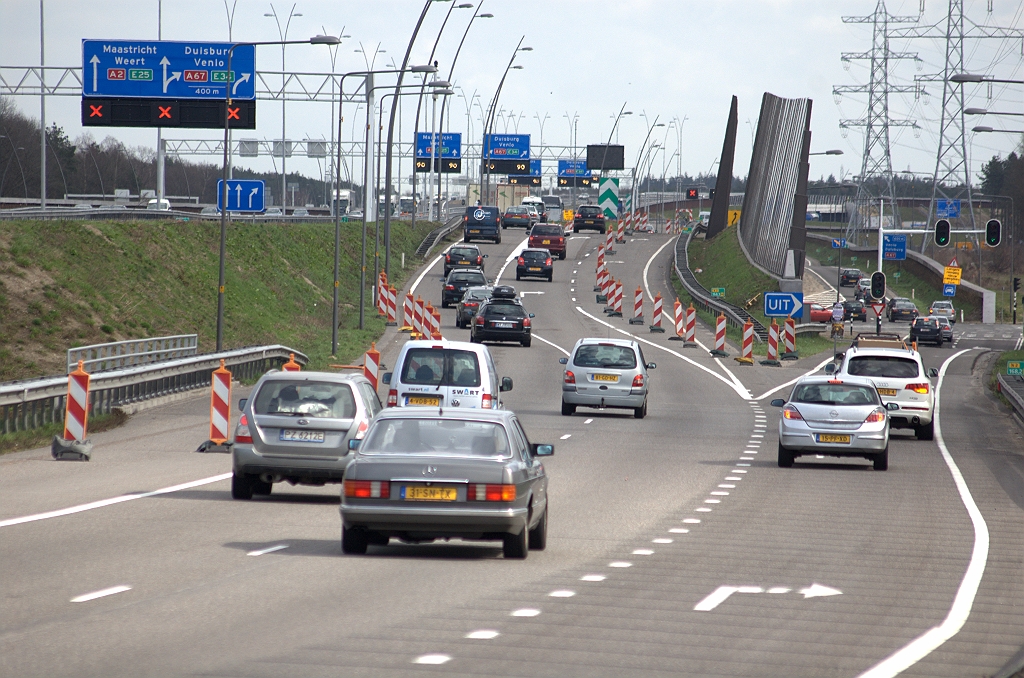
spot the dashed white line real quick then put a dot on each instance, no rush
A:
(712, 501)
(562, 593)
(742, 465)
(719, 493)
(593, 577)
(103, 593)
(661, 540)
(691, 521)
(566, 436)
(526, 612)
(620, 563)
(643, 552)
(738, 470)
(435, 659)
(727, 486)
(588, 421)
(271, 549)
(679, 530)
(483, 634)
(703, 509)
(733, 478)
(550, 343)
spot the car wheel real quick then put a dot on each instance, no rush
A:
(260, 488)
(241, 486)
(516, 545)
(538, 539)
(498, 241)
(561, 255)
(938, 344)
(353, 542)
(785, 457)
(881, 460)
(465, 239)
(551, 277)
(640, 412)
(925, 432)
(444, 304)
(526, 342)
(568, 409)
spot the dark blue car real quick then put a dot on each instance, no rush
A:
(482, 223)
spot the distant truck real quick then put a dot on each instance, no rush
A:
(342, 202)
(508, 195)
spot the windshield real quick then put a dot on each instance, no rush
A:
(883, 366)
(464, 253)
(305, 398)
(440, 367)
(605, 355)
(905, 305)
(437, 437)
(590, 211)
(476, 278)
(835, 394)
(925, 322)
(504, 309)
(546, 230)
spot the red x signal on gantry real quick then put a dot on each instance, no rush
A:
(95, 111)
(165, 112)
(233, 113)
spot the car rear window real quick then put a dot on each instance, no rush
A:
(925, 322)
(476, 293)
(905, 306)
(500, 309)
(516, 210)
(835, 394)
(605, 355)
(590, 211)
(535, 255)
(467, 277)
(440, 367)
(883, 366)
(437, 438)
(546, 230)
(464, 252)
(305, 398)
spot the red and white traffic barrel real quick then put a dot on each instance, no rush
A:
(719, 349)
(790, 340)
(638, 307)
(371, 365)
(690, 338)
(747, 352)
(773, 345)
(392, 306)
(656, 314)
(407, 314)
(220, 404)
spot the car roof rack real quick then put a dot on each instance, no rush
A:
(503, 292)
(883, 340)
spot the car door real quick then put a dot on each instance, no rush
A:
(534, 478)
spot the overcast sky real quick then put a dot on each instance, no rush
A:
(675, 59)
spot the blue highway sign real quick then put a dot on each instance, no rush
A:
(894, 246)
(535, 167)
(451, 145)
(164, 69)
(244, 195)
(573, 168)
(838, 243)
(947, 209)
(507, 146)
(783, 304)
(949, 290)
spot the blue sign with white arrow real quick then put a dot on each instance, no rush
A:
(783, 304)
(838, 243)
(947, 209)
(244, 195)
(451, 145)
(949, 290)
(573, 168)
(168, 70)
(894, 246)
(507, 146)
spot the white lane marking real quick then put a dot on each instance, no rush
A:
(562, 593)
(261, 552)
(703, 509)
(566, 436)
(643, 552)
(432, 659)
(550, 343)
(514, 255)
(573, 281)
(86, 597)
(742, 392)
(745, 459)
(779, 589)
(719, 493)
(593, 577)
(737, 470)
(757, 435)
(526, 612)
(579, 263)
(419, 278)
(679, 530)
(712, 501)
(110, 502)
(574, 298)
(727, 486)
(793, 381)
(572, 289)
(484, 634)
(661, 540)
(733, 478)
(924, 644)
(818, 591)
(722, 593)
(574, 271)
(741, 465)
(691, 521)
(524, 293)
(588, 421)
(620, 563)
(715, 598)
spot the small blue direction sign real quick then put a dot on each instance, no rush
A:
(451, 145)
(947, 209)
(949, 290)
(573, 168)
(165, 69)
(838, 243)
(507, 146)
(535, 168)
(894, 246)
(783, 304)
(244, 195)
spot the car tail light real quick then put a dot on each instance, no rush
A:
(918, 388)
(392, 398)
(361, 430)
(465, 218)
(486, 402)
(790, 412)
(547, 262)
(470, 304)
(877, 415)
(578, 216)
(561, 240)
(449, 287)
(368, 489)
(638, 381)
(522, 261)
(242, 434)
(482, 492)
(569, 378)
(480, 261)
(526, 322)
(447, 258)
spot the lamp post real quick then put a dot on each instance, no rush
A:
(315, 40)
(834, 151)
(639, 156)
(492, 109)
(571, 119)
(540, 123)
(283, 35)
(440, 88)
(615, 125)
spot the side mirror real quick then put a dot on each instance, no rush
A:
(386, 378)
(543, 450)
(353, 444)
(652, 366)
(506, 384)
(532, 315)
(242, 402)
(932, 372)
(485, 256)
(830, 368)
(892, 406)
(778, 402)
(563, 361)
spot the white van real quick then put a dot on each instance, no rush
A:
(162, 204)
(445, 373)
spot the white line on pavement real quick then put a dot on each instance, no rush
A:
(793, 381)
(511, 257)
(109, 502)
(100, 594)
(930, 640)
(271, 549)
(566, 436)
(419, 278)
(551, 343)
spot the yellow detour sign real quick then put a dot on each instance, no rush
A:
(567, 215)
(951, 275)
(734, 217)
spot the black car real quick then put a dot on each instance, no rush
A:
(534, 261)
(588, 216)
(463, 256)
(855, 310)
(501, 318)
(470, 304)
(849, 277)
(482, 222)
(926, 330)
(903, 310)
(457, 282)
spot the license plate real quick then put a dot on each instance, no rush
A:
(832, 438)
(535, 268)
(474, 230)
(588, 222)
(429, 493)
(887, 391)
(504, 326)
(290, 435)
(463, 262)
(606, 377)
(433, 401)
(545, 242)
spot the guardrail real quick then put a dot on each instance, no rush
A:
(1008, 386)
(117, 354)
(32, 403)
(734, 315)
(437, 234)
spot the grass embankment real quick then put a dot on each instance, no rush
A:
(720, 262)
(67, 284)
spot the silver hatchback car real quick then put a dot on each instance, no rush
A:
(836, 417)
(606, 373)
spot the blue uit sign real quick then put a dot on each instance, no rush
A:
(244, 195)
(894, 247)
(573, 168)
(451, 145)
(947, 209)
(167, 70)
(838, 243)
(949, 290)
(783, 304)
(507, 146)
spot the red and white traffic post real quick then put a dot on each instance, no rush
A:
(638, 307)
(622, 232)
(609, 239)
(435, 330)
(74, 446)
(220, 405)
(656, 325)
(690, 337)
(371, 365)
(747, 352)
(678, 321)
(407, 314)
(790, 340)
(382, 294)
(773, 345)
(392, 320)
(417, 318)
(719, 349)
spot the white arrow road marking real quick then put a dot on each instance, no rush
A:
(817, 591)
(100, 594)
(234, 88)
(95, 60)
(524, 293)
(279, 547)
(722, 593)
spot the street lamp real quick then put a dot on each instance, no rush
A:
(315, 40)
(439, 88)
(983, 128)
(983, 111)
(834, 151)
(974, 77)
(283, 35)
(492, 109)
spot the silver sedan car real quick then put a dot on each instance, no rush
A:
(836, 417)
(606, 373)
(421, 475)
